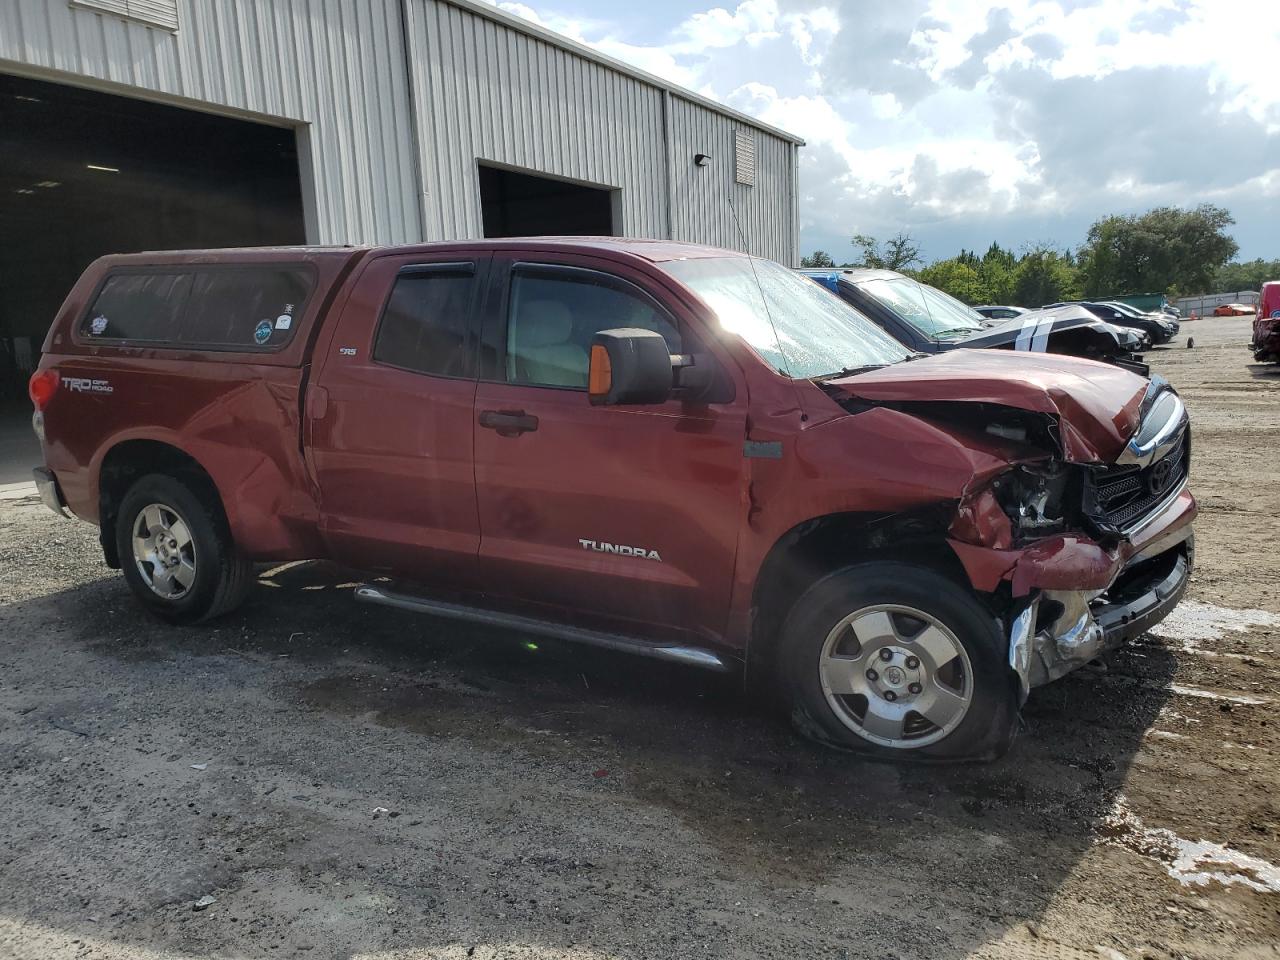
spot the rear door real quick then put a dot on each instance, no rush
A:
(622, 517)
(389, 420)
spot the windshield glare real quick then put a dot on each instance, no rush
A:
(817, 333)
(932, 312)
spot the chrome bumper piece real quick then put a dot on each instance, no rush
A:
(50, 494)
(1061, 631)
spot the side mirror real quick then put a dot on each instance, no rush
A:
(629, 365)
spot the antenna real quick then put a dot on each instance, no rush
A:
(786, 361)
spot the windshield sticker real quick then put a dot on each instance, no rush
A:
(262, 332)
(98, 326)
(284, 321)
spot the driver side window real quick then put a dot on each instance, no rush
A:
(554, 313)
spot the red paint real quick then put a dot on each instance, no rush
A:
(317, 451)
(1266, 325)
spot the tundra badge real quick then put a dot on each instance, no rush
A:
(602, 547)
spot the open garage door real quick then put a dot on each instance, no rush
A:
(524, 205)
(84, 174)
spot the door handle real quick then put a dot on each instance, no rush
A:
(508, 423)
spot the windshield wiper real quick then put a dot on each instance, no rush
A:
(965, 330)
(850, 371)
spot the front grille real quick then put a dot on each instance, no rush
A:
(1127, 494)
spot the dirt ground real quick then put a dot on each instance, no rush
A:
(347, 781)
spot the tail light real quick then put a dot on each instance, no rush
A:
(42, 386)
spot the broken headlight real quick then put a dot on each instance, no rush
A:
(1032, 497)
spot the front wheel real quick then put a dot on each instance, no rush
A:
(176, 551)
(895, 660)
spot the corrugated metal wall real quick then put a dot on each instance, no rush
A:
(708, 196)
(335, 65)
(487, 92)
(483, 89)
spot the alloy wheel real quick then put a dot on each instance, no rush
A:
(164, 551)
(896, 676)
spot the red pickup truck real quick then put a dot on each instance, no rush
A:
(656, 447)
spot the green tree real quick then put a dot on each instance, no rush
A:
(996, 271)
(1044, 275)
(1249, 275)
(896, 253)
(1163, 250)
(956, 277)
(819, 258)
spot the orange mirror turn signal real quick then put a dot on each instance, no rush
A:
(600, 371)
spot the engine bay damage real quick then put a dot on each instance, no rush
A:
(1079, 544)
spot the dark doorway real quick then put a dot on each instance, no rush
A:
(84, 174)
(522, 205)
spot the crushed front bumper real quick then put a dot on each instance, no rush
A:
(1061, 630)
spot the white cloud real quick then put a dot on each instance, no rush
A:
(931, 115)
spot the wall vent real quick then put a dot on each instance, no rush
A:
(744, 157)
(154, 13)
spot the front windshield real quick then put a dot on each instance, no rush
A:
(932, 312)
(799, 328)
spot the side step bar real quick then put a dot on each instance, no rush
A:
(690, 656)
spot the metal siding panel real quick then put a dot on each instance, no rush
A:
(335, 66)
(702, 211)
(490, 92)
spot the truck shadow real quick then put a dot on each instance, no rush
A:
(991, 842)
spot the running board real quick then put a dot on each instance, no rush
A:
(690, 656)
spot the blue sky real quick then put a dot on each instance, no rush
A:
(963, 122)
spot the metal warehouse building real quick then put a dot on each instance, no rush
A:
(146, 124)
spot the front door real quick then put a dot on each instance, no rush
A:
(390, 420)
(623, 517)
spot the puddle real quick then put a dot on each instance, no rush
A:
(1193, 863)
(1191, 621)
(1220, 697)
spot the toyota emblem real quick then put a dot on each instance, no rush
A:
(1160, 476)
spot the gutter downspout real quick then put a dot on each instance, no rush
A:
(668, 164)
(415, 134)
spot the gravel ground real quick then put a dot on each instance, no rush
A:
(346, 781)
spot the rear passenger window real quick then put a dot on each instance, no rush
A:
(426, 321)
(147, 306)
(245, 308)
(231, 308)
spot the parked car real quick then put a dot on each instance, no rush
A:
(1160, 316)
(654, 447)
(1266, 325)
(930, 321)
(1156, 330)
(1234, 310)
(993, 312)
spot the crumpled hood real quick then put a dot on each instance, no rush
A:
(1097, 406)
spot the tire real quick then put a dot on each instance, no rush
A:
(186, 568)
(864, 645)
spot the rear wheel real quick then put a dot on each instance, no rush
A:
(176, 551)
(897, 661)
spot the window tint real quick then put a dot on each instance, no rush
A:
(424, 326)
(554, 316)
(237, 308)
(247, 308)
(141, 306)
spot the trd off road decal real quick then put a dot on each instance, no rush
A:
(87, 385)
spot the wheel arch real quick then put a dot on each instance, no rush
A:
(821, 545)
(124, 463)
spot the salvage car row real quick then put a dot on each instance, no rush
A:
(659, 448)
